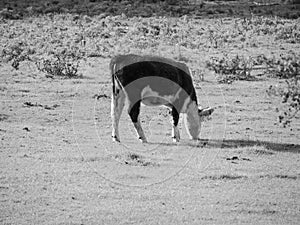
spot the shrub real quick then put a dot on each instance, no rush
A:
(288, 68)
(290, 34)
(17, 53)
(284, 67)
(59, 65)
(290, 99)
(230, 69)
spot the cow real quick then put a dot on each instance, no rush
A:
(154, 81)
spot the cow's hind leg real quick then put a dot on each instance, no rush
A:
(134, 111)
(175, 130)
(117, 105)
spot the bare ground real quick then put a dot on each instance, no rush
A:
(59, 166)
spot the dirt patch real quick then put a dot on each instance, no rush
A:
(256, 150)
(30, 104)
(134, 159)
(223, 177)
(3, 117)
(280, 176)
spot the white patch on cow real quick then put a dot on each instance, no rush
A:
(185, 104)
(153, 98)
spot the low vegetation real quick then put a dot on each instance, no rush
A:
(234, 48)
(290, 94)
(59, 66)
(16, 53)
(231, 68)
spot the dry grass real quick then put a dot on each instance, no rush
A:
(56, 151)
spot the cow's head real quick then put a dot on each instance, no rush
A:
(193, 119)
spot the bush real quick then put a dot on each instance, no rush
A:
(284, 67)
(17, 53)
(290, 99)
(230, 69)
(290, 34)
(59, 65)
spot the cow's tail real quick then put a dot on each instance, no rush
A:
(116, 84)
(113, 78)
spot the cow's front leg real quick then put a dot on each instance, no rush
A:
(117, 105)
(175, 130)
(134, 112)
(139, 131)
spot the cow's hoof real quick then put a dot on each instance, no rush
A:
(115, 139)
(176, 139)
(143, 140)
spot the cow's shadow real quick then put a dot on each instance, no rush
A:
(235, 143)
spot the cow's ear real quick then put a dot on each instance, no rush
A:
(205, 112)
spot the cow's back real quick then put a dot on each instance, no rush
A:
(120, 61)
(135, 69)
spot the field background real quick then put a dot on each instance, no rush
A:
(57, 162)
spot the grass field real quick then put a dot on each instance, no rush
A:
(58, 164)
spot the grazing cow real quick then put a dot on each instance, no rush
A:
(154, 81)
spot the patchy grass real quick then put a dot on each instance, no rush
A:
(63, 162)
